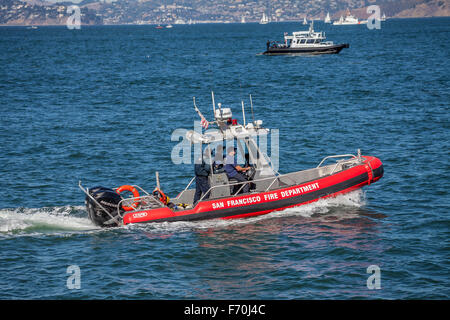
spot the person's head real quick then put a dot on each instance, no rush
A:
(231, 151)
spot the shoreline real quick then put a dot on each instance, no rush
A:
(198, 22)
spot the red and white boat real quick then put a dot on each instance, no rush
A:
(270, 191)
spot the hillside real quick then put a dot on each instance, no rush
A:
(41, 12)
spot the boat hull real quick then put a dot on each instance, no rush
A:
(371, 170)
(334, 49)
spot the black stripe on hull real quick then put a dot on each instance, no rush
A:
(273, 205)
(378, 172)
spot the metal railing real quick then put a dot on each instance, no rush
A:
(338, 162)
(185, 189)
(145, 202)
(336, 156)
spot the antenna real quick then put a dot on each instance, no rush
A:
(220, 109)
(243, 111)
(251, 107)
(214, 104)
(219, 120)
(158, 185)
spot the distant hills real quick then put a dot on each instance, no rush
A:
(40, 12)
(430, 8)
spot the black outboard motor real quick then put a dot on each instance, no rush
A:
(109, 200)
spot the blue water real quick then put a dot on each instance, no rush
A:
(100, 104)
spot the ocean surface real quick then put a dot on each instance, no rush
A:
(100, 105)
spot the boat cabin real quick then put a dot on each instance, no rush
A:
(300, 39)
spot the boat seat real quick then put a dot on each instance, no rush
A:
(186, 197)
(218, 180)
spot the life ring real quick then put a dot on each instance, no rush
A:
(162, 197)
(135, 193)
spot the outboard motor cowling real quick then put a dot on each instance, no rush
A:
(103, 211)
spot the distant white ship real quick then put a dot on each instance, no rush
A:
(327, 18)
(169, 26)
(348, 20)
(264, 19)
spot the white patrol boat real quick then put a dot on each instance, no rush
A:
(304, 42)
(348, 20)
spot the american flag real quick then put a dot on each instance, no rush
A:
(203, 121)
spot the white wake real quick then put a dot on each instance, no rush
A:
(73, 219)
(43, 220)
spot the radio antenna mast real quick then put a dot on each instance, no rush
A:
(243, 111)
(213, 102)
(251, 107)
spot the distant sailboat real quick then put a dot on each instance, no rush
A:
(243, 19)
(383, 18)
(264, 19)
(327, 18)
(305, 21)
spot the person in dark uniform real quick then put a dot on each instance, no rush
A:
(202, 170)
(247, 160)
(268, 45)
(235, 171)
(250, 174)
(218, 160)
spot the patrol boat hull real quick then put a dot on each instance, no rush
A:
(368, 171)
(332, 49)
